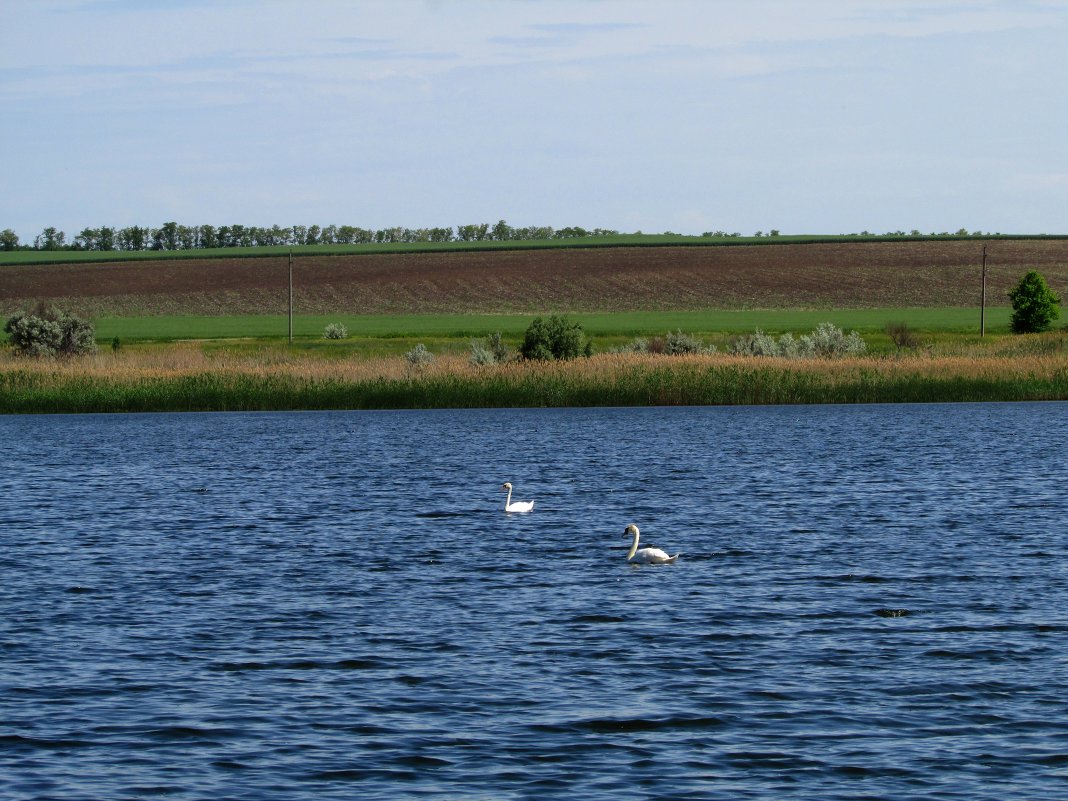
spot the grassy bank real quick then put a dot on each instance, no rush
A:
(190, 378)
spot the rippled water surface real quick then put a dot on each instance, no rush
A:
(871, 603)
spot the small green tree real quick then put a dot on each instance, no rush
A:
(1034, 305)
(558, 338)
(49, 331)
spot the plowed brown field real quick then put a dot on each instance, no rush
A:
(841, 275)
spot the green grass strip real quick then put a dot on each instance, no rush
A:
(598, 324)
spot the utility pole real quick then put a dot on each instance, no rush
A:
(291, 297)
(982, 307)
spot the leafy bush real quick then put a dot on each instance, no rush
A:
(1034, 305)
(335, 331)
(419, 356)
(902, 336)
(827, 340)
(49, 331)
(558, 338)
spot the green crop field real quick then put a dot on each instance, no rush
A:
(618, 324)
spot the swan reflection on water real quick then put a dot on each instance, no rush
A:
(518, 506)
(645, 556)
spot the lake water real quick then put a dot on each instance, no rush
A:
(871, 604)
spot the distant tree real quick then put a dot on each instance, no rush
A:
(107, 238)
(345, 235)
(389, 235)
(132, 237)
(9, 240)
(87, 239)
(502, 231)
(280, 235)
(533, 232)
(50, 239)
(240, 236)
(187, 237)
(1034, 305)
(205, 236)
(472, 233)
(557, 338)
(169, 235)
(573, 232)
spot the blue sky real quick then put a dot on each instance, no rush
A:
(823, 116)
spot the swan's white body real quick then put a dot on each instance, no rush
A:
(518, 506)
(645, 556)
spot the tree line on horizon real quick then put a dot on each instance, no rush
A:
(172, 236)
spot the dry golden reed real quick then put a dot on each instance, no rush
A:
(188, 376)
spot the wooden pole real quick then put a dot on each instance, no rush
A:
(291, 297)
(982, 307)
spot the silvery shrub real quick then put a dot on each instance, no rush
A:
(827, 340)
(679, 344)
(491, 350)
(480, 354)
(335, 331)
(50, 331)
(756, 344)
(419, 356)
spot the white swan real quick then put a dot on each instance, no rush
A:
(646, 556)
(518, 506)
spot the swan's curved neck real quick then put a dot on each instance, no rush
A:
(633, 546)
(508, 500)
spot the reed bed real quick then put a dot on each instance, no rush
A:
(185, 377)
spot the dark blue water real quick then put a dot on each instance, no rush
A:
(871, 604)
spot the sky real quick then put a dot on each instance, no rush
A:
(814, 117)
